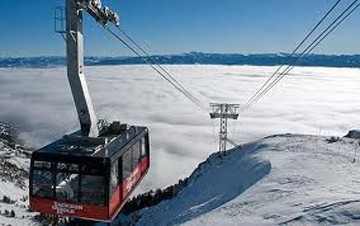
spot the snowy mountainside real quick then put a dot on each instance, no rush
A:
(211, 185)
(279, 180)
(14, 170)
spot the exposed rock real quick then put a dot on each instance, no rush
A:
(355, 134)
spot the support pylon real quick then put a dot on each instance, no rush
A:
(223, 111)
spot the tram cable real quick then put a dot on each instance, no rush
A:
(154, 61)
(291, 60)
(329, 31)
(291, 65)
(162, 72)
(309, 49)
(292, 54)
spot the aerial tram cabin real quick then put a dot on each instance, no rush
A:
(88, 174)
(91, 180)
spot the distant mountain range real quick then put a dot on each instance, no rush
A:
(191, 58)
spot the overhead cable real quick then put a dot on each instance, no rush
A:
(310, 48)
(155, 62)
(170, 79)
(329, 29)
(291, 55)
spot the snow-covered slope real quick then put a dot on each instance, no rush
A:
(14, 168)
(285, 179)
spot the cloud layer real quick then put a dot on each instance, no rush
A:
(312, 100)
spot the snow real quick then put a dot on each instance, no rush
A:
(20, 207)
(20, 163)
(14, 192)
(217, 181)
(313, 180)
(18, 195)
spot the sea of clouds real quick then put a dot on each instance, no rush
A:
(311, 100)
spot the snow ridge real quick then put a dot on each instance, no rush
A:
(221, 178)
(279, 180)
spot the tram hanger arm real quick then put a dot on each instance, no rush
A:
(101, 15)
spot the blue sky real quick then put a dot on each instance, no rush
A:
(178, 26)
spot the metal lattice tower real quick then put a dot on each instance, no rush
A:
(223, 111)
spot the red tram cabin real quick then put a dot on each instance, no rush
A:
(89, 178)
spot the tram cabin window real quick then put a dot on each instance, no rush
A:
(131, 158)
(42, 183)
(67, 182)
(136, 154)
(93, 184)
(114, 176)
(42, 165)
(127, 164)
(143, 147)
